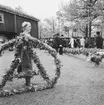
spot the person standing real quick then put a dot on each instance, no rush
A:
(61, 45)
(82, 42)
(56, 42)
(99, 40)
(71, 42)
(86, 43)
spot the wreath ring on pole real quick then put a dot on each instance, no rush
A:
(30, 43)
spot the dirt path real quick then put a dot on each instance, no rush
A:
(79, 84)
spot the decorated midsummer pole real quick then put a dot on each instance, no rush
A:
(26, 44)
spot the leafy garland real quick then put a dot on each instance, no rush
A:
(96, 55)
(84, 51)
(30, 43)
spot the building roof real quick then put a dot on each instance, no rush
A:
(13, 11)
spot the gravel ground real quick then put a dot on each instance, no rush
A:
(80, 83)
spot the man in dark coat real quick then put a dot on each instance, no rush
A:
(56, 42)
(99, 40)
(61, 44)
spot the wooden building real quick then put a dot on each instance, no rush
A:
(11, 21)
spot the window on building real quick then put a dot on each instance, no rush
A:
(1, 18)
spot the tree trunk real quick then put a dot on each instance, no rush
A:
(86, 31)
(89, 32)
(90, 23)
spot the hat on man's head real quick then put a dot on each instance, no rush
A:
(98, 32)
(24, 24)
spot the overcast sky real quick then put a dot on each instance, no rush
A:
(38, 8)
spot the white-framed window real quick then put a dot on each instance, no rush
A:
(1, 18)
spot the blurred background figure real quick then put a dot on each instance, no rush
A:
(71, 42)
(86, 43)
(56, 42)
(94, 42)
(99, 40)
(1, 41)
(82, 42)
(61, 44)
(77, 43)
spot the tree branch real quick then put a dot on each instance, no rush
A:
(95, 2)
(82, 30)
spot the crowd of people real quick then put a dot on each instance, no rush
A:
(59, 41)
